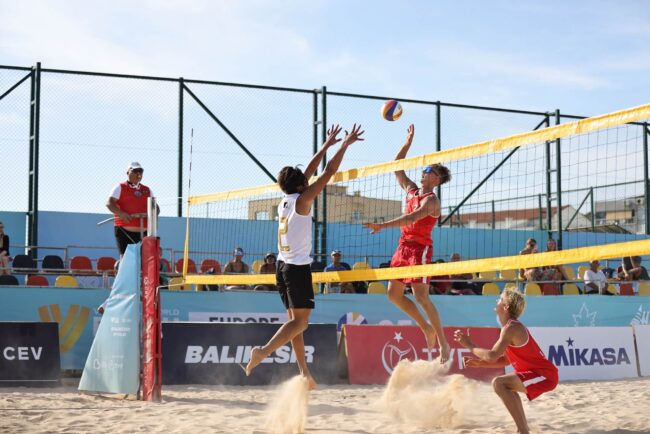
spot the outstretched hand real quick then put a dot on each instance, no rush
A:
(353, 136)
(410, 132)
(472, 362)
(463, 339)
(375, 227)
(331, 135)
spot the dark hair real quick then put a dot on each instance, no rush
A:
(443, 172)
(290, 178)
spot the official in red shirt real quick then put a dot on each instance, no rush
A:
(421, 213)
(128, 202)
(534, 373)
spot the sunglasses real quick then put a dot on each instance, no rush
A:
(430, 170)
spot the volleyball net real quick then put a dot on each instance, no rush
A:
(582, 183)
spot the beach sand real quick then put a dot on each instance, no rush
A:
(450, 405)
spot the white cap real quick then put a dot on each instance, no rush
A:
(134, 165)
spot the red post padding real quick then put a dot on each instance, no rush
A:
(151, 378)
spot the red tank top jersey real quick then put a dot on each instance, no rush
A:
(420, 230)
(132, 201)
(528, 357)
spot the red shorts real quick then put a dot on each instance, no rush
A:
(537, 382)
(408, 254)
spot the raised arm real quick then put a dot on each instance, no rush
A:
(430, 206)
(303, 204)
(496, 354)
(316, 159)
(402, 179)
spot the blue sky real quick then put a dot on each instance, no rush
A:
(585, 57)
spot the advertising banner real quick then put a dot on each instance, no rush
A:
(642, 336)
(245, 317)
(30, 354)
(215, 353)
(77, 306)
(113, 364)
(373, 352)
(589, 353)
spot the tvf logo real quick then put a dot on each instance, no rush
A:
(71, 327)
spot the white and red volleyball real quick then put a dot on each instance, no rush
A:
(391, 110)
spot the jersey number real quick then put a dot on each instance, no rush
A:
(282, 230)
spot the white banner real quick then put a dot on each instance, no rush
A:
(589, 353)
(245, 317)
(642, 334)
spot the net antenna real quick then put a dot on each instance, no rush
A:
(187, 209)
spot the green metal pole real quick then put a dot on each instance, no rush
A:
(438, 149)
(180, 146)
(558, 177)
(593, 210)
(646, 181)
(323, 232)
(549, 206)
(315, 150)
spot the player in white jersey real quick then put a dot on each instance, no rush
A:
(293, 273)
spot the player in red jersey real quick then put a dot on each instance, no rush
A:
(415, 245)
(534, 373)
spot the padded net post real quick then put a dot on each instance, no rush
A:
(151, 378)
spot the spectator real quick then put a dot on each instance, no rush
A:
(268, 267)
(530, 274)
(237, 266)
(439, 285)
(337, 265)
(633, 270)
(553, 272)
(595, 280)
(4, 251)
(128, 203)
(460, 287)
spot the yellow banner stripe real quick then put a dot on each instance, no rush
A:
(528, 138)
(570, 256)
(56, 314)
(44, 314)
(77, 330)
(69, 320)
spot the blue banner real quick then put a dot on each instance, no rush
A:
(59, 304)
(113, 364)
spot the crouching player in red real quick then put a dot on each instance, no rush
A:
(534, 373)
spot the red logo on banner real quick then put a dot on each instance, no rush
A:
(395, 350)
(373, 351)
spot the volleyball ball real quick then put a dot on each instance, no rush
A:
(391, 110)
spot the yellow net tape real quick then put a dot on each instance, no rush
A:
(528, 138)
(571, 256)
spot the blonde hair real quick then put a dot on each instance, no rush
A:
(515, 302)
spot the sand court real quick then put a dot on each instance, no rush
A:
(578, 407)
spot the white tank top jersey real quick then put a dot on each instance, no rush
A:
(294, 233)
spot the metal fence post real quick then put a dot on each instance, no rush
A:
(438, 149)
(646, 181)
(593, 210)
(34, 129)
(314, 210)
(558, 175)
(180, 146)
(549, 206)
(323, 231)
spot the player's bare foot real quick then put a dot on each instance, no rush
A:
(431, 337)
(445, 350)
(257, 355)
(311, 383)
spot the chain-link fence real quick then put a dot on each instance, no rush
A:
(82, 129)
